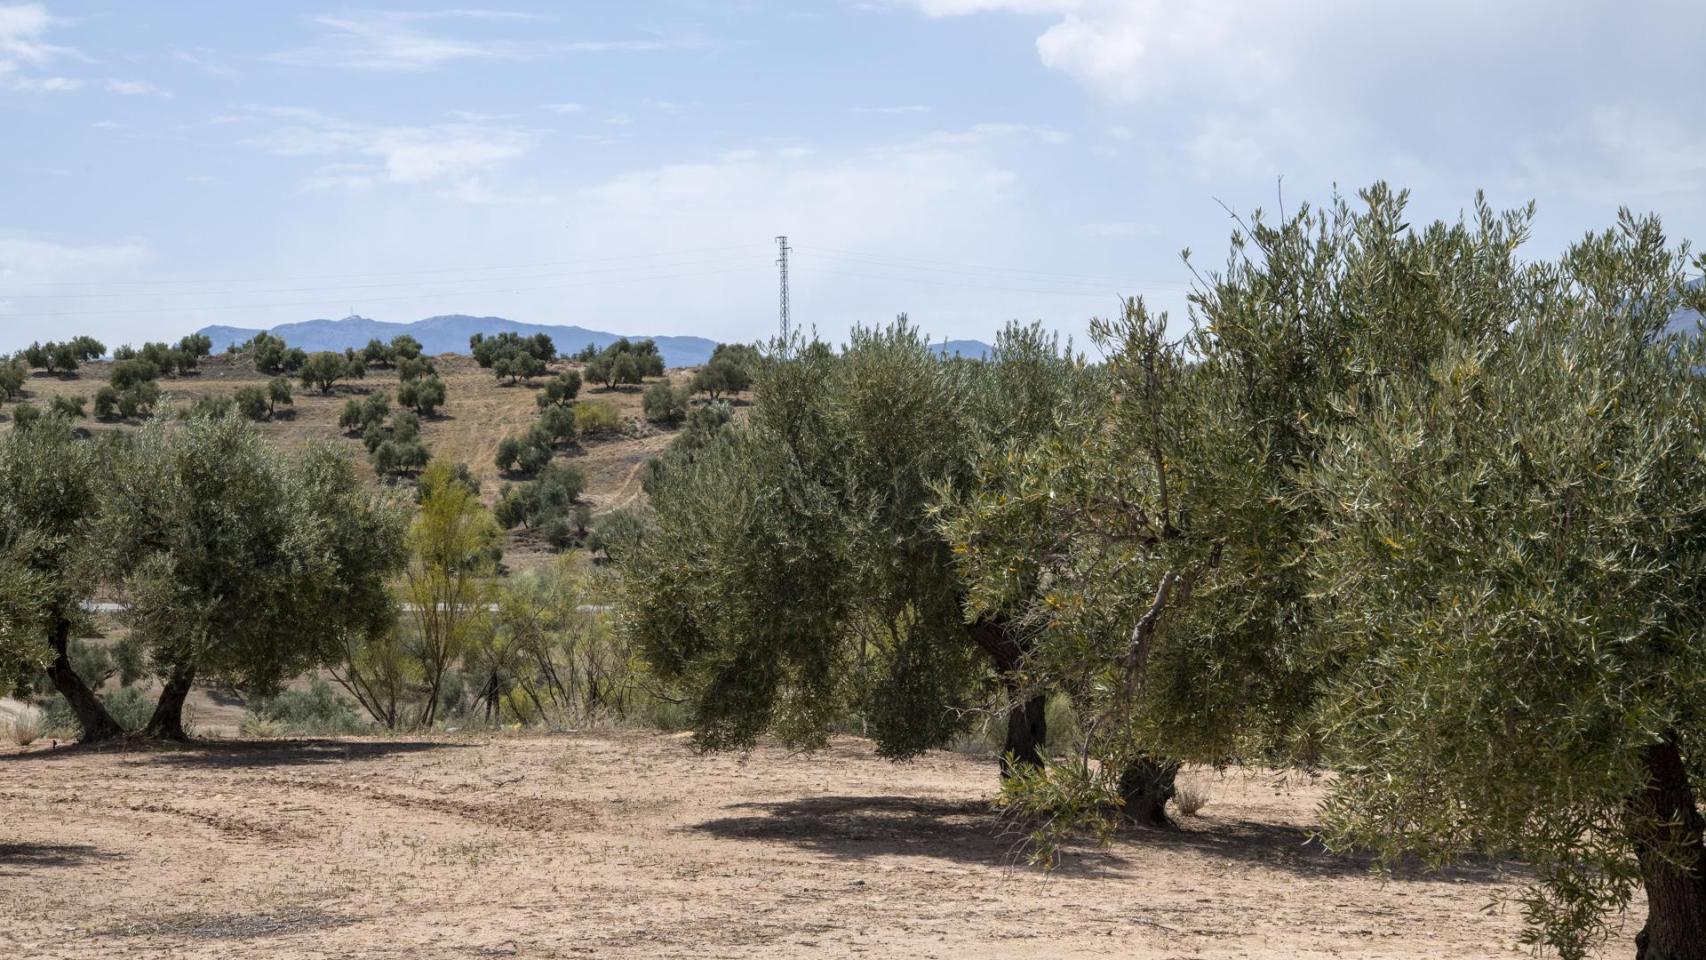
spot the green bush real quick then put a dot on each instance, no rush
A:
(595, 416)
(318, 711)
(664, 403)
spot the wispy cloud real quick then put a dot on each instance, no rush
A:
(402, 42)
(205, 61)
(22, 27)
(905, 108)
(372, 153)
(136, 88)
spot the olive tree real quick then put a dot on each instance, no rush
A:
(1515, 557)
(795, 570)
(238, 564)
(50, 523)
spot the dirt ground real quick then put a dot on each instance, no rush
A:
(628, 844)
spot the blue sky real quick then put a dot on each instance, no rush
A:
(625, 165)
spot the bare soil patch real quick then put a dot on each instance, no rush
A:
(630, 845)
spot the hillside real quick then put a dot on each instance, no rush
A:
(450, 333)
(479, 412)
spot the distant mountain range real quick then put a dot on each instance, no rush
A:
(449, 334)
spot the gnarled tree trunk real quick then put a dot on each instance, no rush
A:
(1146, 784)
(167, 723)
(91, 713)
(1667, 831)
(1027, 720)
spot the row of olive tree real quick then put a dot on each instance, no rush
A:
(1411, 507)
(1401, 503)
(236, 564)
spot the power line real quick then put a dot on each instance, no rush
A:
(973, 286)
(372, 286)
(447, 293)
(399, 273)
(883, 259)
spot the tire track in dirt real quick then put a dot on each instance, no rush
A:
(523, 815)
(226, 825)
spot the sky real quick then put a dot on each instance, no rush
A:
(627, 165)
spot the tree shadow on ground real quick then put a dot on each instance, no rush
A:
(856, 828)
(237, 754)
(971, 831)
(1295, 850)
(18, 858)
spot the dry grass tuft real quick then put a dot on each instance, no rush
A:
(1189, 800)
(24, 728)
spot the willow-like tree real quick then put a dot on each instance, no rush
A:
(452, 546)
(795, 572)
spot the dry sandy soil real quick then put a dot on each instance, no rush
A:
(629, 845)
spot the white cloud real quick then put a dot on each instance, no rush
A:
(22, 27)
(396, 41)
(135, 88)
(904, 108)
(400, 154)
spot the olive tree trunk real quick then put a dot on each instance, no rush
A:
(91, 713)
(1146, 784)
(1667, 833)
(167, 722)
(1027, 719)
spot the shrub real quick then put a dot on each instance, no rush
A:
(25, 414)
(25, 727)
(664, 403)
(595, 416)
(252, 403)
(257, 727)
(317, 711)
(618, 533)
(69, 407)
(196, 345)
(1189, 800)
(210, 406)
(128, 707)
